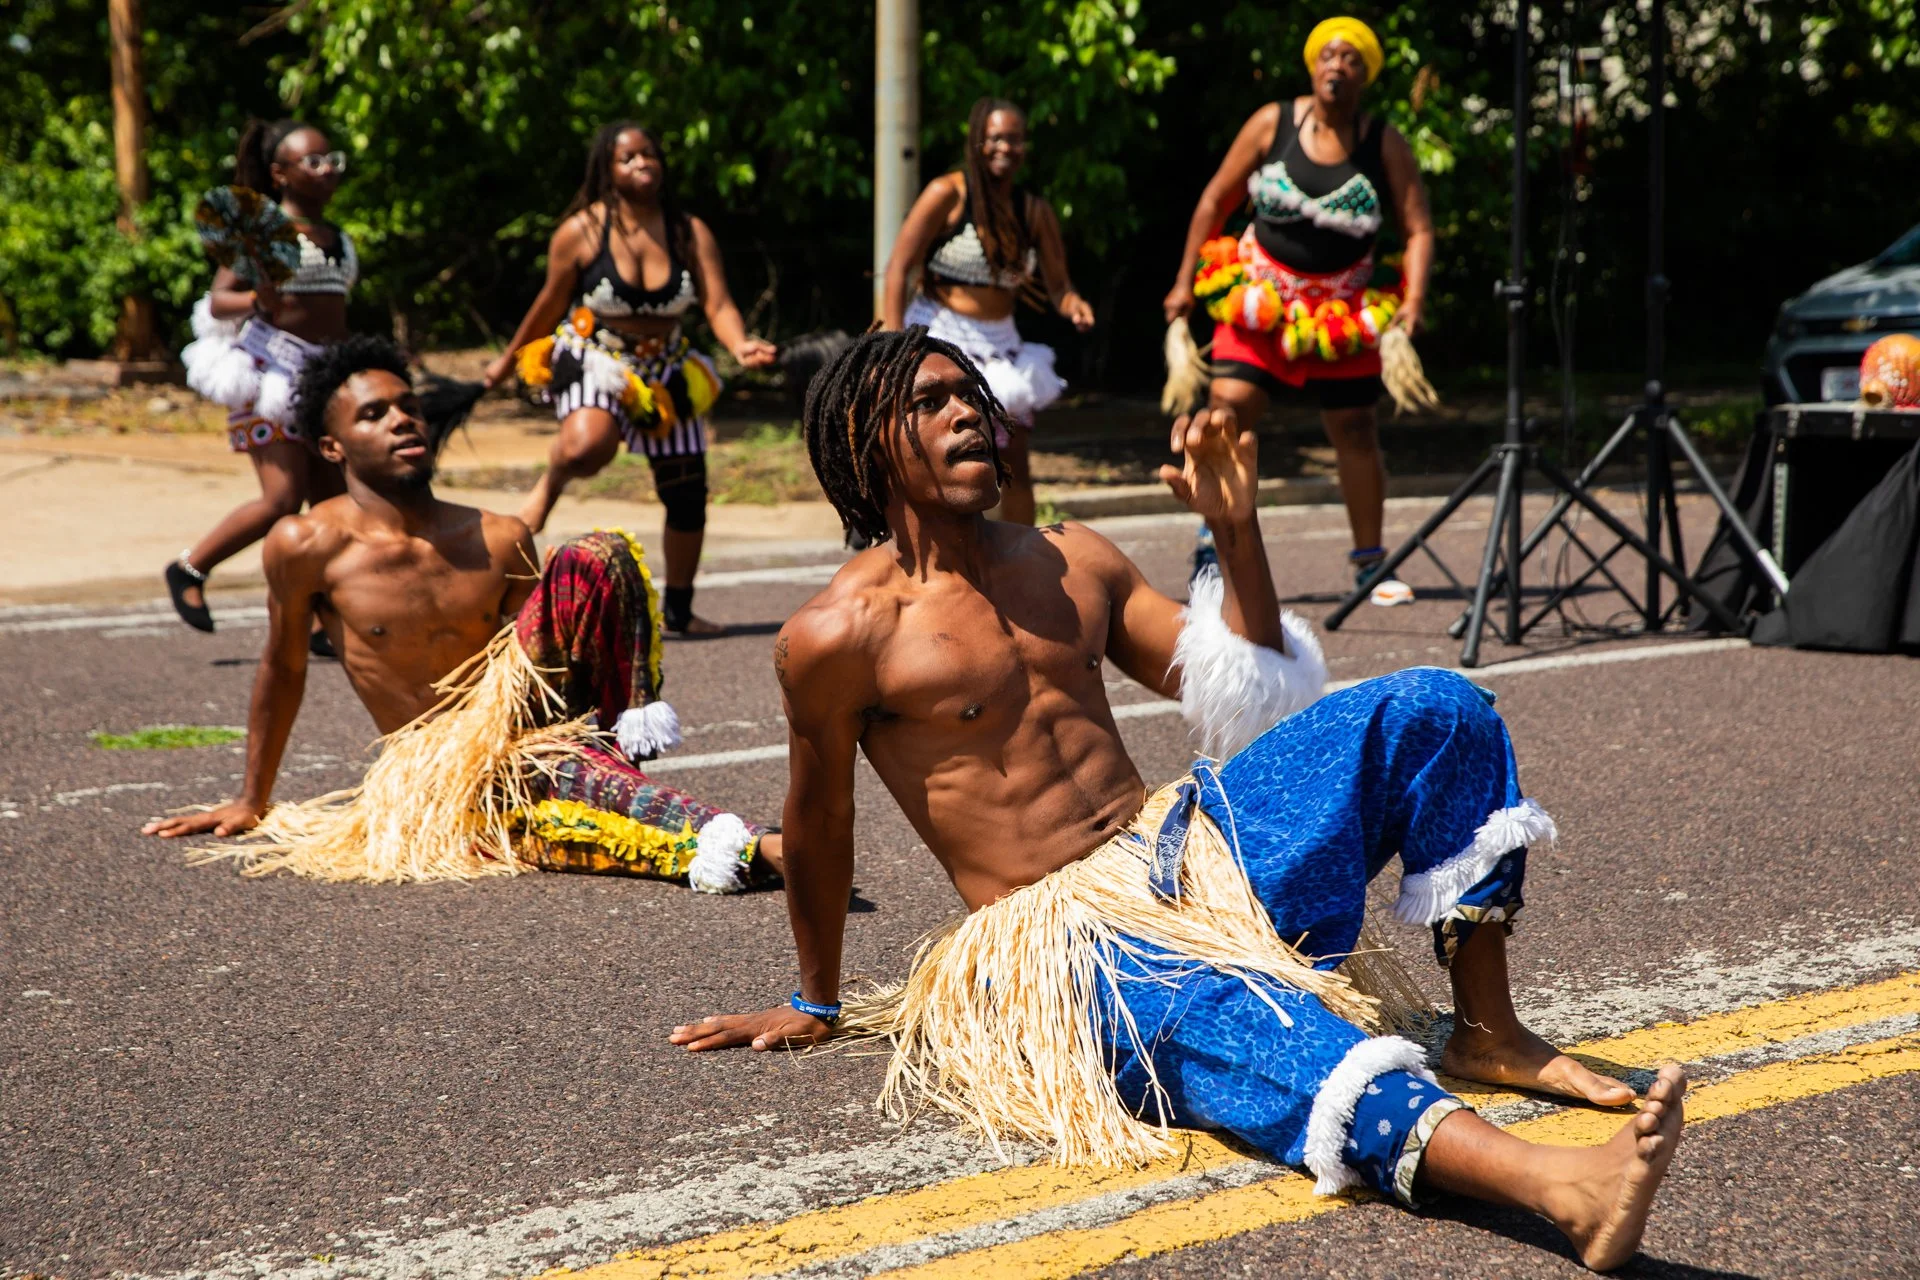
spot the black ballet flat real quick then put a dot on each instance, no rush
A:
(179, 578)
(320, 645)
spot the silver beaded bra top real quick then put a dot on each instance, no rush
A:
(319, 273)
(962, 259)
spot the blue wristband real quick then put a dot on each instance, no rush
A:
(824, 1012)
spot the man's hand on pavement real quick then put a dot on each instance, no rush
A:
(1219, 476)
(783, 1027)
(230, 819)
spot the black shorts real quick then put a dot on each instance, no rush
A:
(1328, 393)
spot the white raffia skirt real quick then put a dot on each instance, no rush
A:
(1020, 374)
(250, 368)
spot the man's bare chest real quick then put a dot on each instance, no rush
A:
(969, 656)
(413, 595)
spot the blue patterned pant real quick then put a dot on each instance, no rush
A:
(1415, 764)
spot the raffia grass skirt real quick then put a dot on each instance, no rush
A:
(440, 800)
(1001, 1022)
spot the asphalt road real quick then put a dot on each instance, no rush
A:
(210, 1075)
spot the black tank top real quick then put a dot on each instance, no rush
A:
(604, 292)
(1314, 217)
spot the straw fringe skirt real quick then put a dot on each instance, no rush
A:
(1001, 1023)
(439, 802)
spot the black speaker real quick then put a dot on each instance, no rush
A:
(1817, 482)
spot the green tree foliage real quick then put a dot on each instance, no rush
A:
(63, 262)
(1795, 147)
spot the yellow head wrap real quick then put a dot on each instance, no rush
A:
(1353, 32)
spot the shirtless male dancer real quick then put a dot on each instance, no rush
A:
(410, 588)
(964, 657)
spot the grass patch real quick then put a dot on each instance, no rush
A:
(167, 737)
(767, 465)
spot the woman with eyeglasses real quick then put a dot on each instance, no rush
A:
(980, 243)
(279, 327)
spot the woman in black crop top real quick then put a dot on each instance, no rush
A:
(1321, 176)
(980, 242)
(603, 343)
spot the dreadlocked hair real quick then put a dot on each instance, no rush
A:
(253, 157)
(861, 392)
(1003, 231)
(332, 365)
(597, 186)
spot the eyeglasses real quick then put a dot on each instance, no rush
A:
(320, 162)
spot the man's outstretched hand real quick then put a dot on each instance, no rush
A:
(230, 819)
(783, 1027)
(1219, 477)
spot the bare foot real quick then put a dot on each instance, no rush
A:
(1607, 1192)
(699, 626)
(772, 850)
(1523, 1060)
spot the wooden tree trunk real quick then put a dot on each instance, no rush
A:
(135, 339)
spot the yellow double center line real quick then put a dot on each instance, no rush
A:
(1272, 1195)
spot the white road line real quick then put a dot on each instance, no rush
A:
(1126, 711)
(1162, 707)
(801, 573)
(126, 624)
(685, 1196)
(716, 759)
(232, 616)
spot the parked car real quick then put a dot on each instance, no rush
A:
(1814, 353)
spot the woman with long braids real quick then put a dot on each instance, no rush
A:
(982, 243)
(603, 342)
(253, 338)
(1322, 175)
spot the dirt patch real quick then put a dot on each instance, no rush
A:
(116, 411)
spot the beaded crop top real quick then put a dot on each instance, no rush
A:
(603, 291)
(958, 256)
(1313, 217)
(319, 271)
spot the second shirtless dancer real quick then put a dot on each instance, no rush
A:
(485, 672)
(1122, 967)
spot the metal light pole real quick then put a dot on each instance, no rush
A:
(896, 127)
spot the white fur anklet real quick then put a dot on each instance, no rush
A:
(645, 732)
(1426, 897)
(1331, 1119)
(1232, 690)
(717, 866)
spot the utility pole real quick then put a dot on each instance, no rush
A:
(135, 339)
(896, 127)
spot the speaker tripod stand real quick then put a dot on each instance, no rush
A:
(1652, 422)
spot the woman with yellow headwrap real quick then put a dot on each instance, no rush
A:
(1292, 299)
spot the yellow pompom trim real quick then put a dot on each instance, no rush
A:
(703, 387)
(571, 822)
(536, 362)
(653, 607)
(639, 399)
